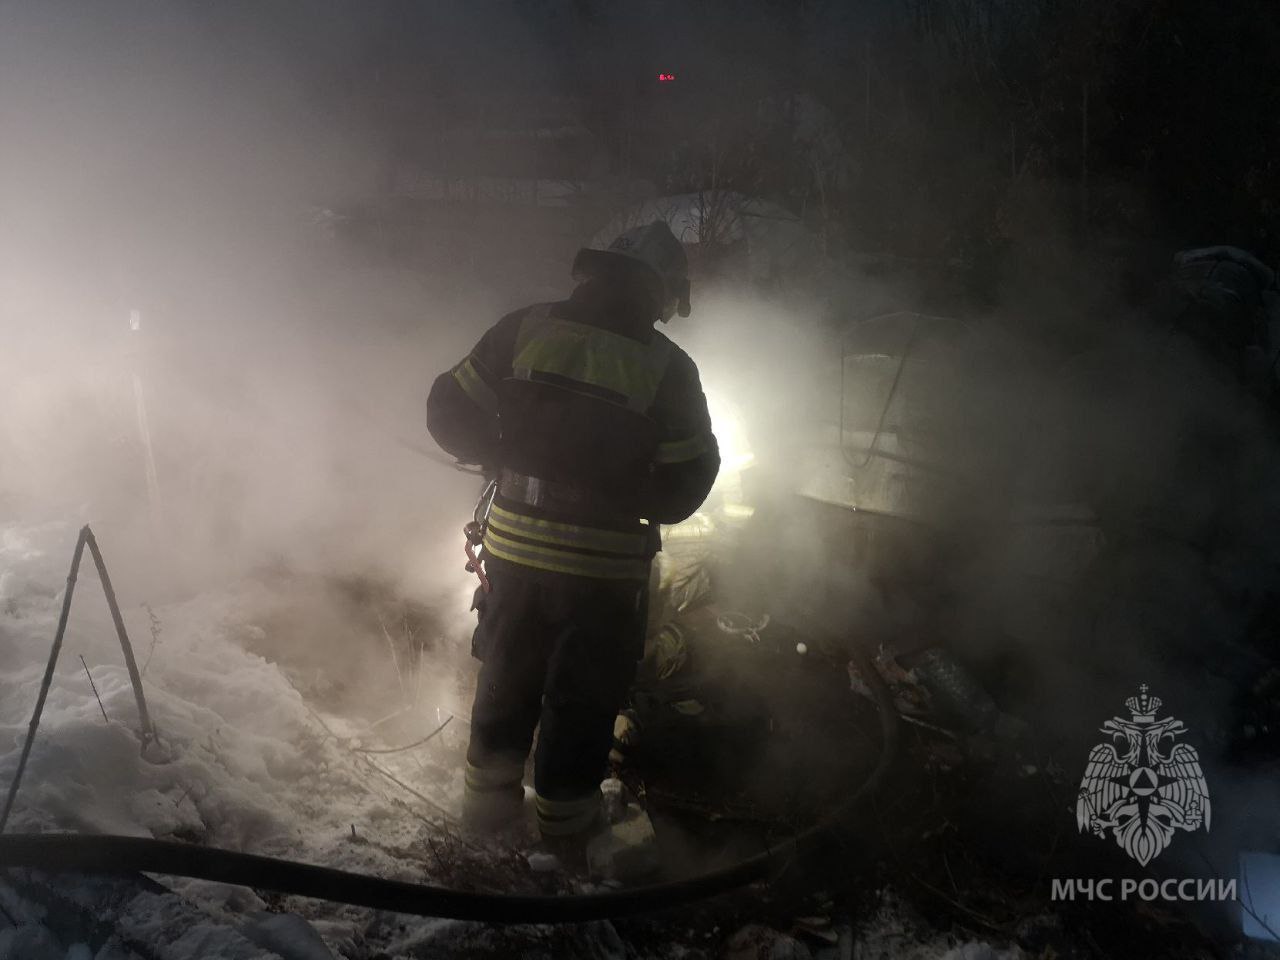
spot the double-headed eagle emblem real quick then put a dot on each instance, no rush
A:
(1143, 785)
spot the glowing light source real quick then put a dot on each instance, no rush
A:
(726, 501)
(731, 434)
(666, 78)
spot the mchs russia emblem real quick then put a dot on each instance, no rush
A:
(1143, 785)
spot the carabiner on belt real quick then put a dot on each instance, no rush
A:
(475, 530)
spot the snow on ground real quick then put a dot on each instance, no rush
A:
(245, 764)
(242, 763)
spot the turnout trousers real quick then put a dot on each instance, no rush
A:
(558, 655)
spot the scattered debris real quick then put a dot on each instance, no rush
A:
(755, 942)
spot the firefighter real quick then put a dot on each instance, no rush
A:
(595, 428)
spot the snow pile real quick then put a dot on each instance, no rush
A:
(100, 919)
(242, 763)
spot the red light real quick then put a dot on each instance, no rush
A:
(666, 77)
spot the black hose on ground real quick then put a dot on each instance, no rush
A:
(112, 854)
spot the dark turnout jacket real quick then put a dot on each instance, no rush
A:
(586, 398)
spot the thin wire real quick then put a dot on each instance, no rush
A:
(888, 400)
(94, 687)
(409, 746)
(441, 811)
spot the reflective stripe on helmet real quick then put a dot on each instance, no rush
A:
(474, 386)
(573, 355)
(679, 451)
(561, 560)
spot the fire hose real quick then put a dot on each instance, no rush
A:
(78, 853)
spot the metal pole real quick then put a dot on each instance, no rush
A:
(148, 732)
(85, 535)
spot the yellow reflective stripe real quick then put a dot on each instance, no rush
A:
(592, 356)
(678, 451)
(560, 818)
(567, 534)
(565, 561)
(474, 386)
(497, 777)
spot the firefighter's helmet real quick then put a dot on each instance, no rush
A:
(655, 248)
